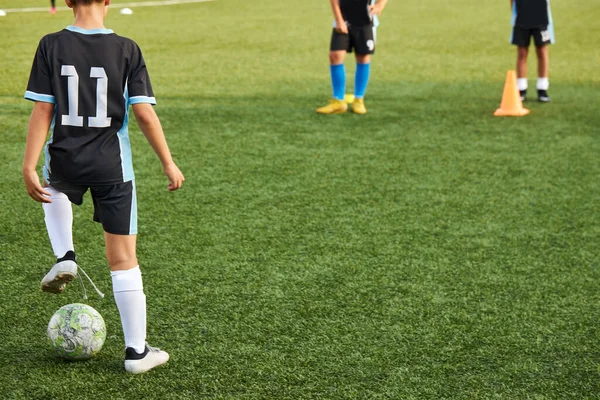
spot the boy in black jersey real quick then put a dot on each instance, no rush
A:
(355, 23)
(84, 79)
(532, 18)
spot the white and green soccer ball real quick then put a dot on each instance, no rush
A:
(77, 331)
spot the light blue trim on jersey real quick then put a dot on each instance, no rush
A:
(133, 219)
(513, 21)
(99, 31)
(513, 18)
(46, 98)
(142, 99)
(375, 18)
(124, 143)
(46, 169)
(550, 25)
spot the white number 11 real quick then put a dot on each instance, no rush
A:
(101, 120)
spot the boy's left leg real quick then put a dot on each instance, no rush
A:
(361, 80)
(364, 42)
(543, 82)
(58, 216)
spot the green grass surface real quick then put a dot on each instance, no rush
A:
(426, 250)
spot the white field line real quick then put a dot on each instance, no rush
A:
(113, 5)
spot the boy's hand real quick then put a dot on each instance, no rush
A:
(376, 9)
(341, 27)
(175, 176)
(34, 188)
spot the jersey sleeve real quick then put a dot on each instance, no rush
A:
(39, 87)
(138, 82)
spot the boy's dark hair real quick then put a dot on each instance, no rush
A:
(85, 2)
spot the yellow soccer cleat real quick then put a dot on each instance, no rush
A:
(358, 106)
(335, 106)
(349, 98)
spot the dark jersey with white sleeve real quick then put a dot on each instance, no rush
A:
(92, 77)
(531, 13)
(356, 12)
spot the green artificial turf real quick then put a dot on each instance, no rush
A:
(426, 250)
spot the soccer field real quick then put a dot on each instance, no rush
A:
(425, 250)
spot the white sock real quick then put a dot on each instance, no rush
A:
(522, 83)
(543, 83)
(59, 222)
(131, 302)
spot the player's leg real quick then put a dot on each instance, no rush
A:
(53, 6)
(115, 207)
(58, 216)
(542, 40)
(338, 73)
(364, 41)
(128, 288)
(521, 38)
(337, 53)
(361, 80)
(522, 53)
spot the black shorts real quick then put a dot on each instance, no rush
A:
(359, 38)
(522, 36)
(115, 206)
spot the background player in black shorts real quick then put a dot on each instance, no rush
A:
(83, 80)
(532, 18)
(355, 22)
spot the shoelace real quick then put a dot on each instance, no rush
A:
(92, 282)
(152, 349)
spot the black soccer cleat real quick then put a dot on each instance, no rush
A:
(543, 96)
(523, 94)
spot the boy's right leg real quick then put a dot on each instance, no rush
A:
(59, 223)
(521, 37)
(129, 295)
(338, 82)
(522, 53)
(339, 46)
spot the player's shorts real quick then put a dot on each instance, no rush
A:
(541, 36)
(115, 206)
(361, 39)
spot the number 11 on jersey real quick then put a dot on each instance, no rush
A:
(101, 120)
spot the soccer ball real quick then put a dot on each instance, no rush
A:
(77, 331)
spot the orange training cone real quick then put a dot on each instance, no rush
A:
(511, 99)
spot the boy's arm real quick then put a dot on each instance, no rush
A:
(378, 7)
(340, 24)
(39, 123)
(152, 129)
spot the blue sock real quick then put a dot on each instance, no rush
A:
(361, 79)
(338, 80)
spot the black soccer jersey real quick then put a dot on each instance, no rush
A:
(92, 77)
(356, 12)
(531, 13)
